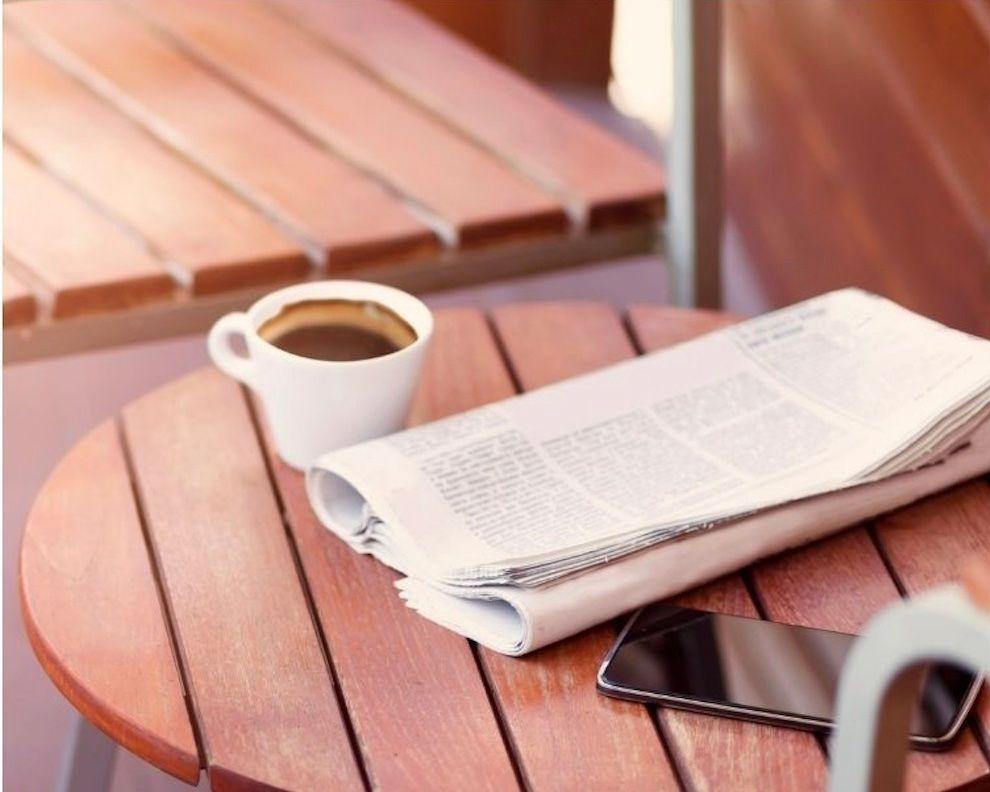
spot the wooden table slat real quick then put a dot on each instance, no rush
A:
(413, 689)
(568, 735)
(92, 610)
(85, 262)
(715, 753)
(472, 194)
(19, 303)
(597, 175)
(212, 237)
(260, 687)
(327, 204)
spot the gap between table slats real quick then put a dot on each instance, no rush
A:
(257, 421)
(82, 260)
(716, 753)
(255, 673)
(20, 306)
(168, 617)
(600, 178)
(368, 125)
(92, 611)
(576, 737)
(209, 239)
(690, 738)
(412, 689)
(333, 211)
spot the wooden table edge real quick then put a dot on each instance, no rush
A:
(116, 725)
(448, 269)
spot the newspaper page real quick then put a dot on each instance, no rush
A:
(826, 394)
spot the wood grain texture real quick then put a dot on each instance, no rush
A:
(936, 63)
(92, 611)
(598, 176)
(553, 712)
(846, 181)
(959, 518)
(566, 42)
(215, 240)
(657, 327)
(805, 232)
(715, 753)
(19, 303)
(85, 262)
(259, 684)
(548, 342)
(332, 208)
(477, 197)
(413, 689)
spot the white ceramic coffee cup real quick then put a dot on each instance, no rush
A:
(314, 406)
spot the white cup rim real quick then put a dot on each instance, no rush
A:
(408, 307)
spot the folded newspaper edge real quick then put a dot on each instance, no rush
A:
(515, 621)
(521, 523)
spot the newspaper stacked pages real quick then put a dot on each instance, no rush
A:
(528, 520)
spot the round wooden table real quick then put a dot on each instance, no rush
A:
(180, 593)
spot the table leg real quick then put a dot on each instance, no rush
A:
(694, 217)
(89, 756)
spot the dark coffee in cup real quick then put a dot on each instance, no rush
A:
(338, 330)
(292, 348)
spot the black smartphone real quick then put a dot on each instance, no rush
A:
(757, 670)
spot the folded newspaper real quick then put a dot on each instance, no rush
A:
(525, 521)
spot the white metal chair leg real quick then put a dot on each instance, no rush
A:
(880, 682)
(89, 757)
(694, 225)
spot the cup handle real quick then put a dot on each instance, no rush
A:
(240, 367)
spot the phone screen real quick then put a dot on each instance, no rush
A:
(752, 668)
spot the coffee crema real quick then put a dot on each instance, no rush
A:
(337, 330)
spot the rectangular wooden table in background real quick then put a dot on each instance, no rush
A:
(167, 161)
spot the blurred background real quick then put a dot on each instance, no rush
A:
(857, 134)
(857, 152)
